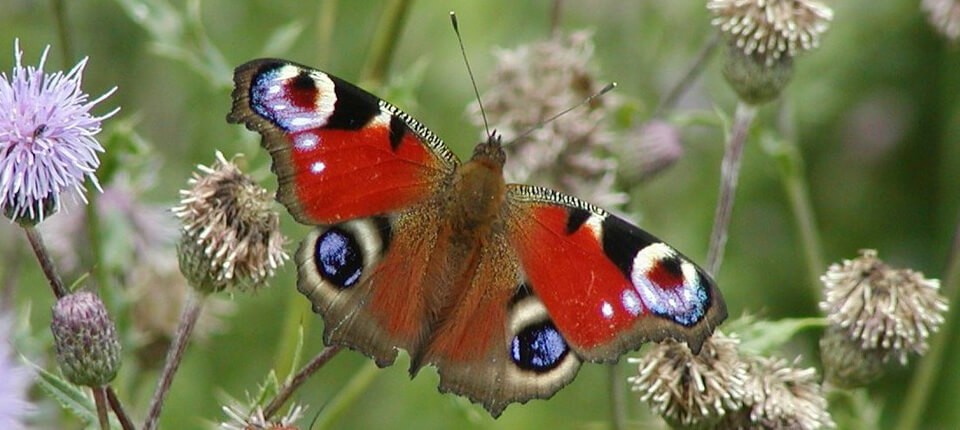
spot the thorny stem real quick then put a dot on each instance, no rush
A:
(188, 320)
(925, 377)
(729, 173)
(670, 99)
(46, 263)
(297, 380)
(117, 407)
(385, 42)
(100, 399)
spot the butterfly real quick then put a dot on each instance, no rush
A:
(505, 288)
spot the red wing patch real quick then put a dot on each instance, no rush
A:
(339, 152)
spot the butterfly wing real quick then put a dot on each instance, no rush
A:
(607, 285)
(339, 152)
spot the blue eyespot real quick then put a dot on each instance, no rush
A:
(538, 347)
(339, 258)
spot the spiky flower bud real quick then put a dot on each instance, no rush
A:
(657, 147)
(889, 311)
(754, 81)
(231, 234)
(85, 337)
(692, 391)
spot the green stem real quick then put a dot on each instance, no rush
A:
(795, 184)
(347, 396)
(63, 33)
(326, 21)
(729, 174)
(926, 375)
(298, 316)
(385, 42)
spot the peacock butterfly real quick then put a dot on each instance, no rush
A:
(505, 288)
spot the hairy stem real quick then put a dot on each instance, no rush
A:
(926, 375)
(188, 320)
(729, 174)
(297, 380)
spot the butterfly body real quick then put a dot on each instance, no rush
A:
(505, 288)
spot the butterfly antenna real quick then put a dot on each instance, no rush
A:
(606, 89)
(463, 51)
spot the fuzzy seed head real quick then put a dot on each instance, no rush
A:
(891, 311)
(771, 29)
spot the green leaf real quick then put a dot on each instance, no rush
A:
(763, 336)
(71, 397)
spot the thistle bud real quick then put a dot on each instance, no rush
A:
(85, 337)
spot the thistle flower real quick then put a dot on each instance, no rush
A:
(890, 311)
(256, 421)
(47, 143)
(692, 390)
(88, 349)
(15, 380)
(944, 15)
(771, 29)
(781, 396)
(231, 236)
(571, 153)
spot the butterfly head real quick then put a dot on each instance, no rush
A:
(490, 153)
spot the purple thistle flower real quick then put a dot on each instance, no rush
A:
(47, 140)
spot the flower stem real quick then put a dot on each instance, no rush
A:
(926, 375)
(60, 16)
(188, 320)
(100, 399)
(790, 162)
(46, 263)
(297, 380)
(729, 173)
(346, 397)
(326, 21)
(297, 317)
(385, 42)
(117, 407)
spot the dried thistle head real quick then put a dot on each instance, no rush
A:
(231, 234)
(845, 363)
(779, 395)
(891, 311)
(255, 420)
(771, 29)
(571, 153)
(690, 390)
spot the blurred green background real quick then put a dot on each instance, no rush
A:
(876, 111)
